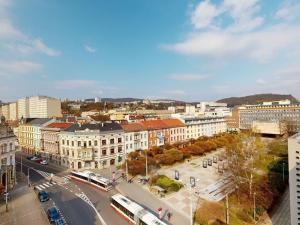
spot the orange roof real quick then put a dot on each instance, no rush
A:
(59, 125)
(173, 123)
(132, 127)
(153, 124)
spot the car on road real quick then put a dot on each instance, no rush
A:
(59, 222)
(43, 196)
(53, 214)
(44, 162)
(29, 157)
(34, 158)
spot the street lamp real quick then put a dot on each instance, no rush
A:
(146, 163)
(28, 179)
(254, 207)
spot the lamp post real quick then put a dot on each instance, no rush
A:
(28, 179)
(6, 190)
(146, 163)
(126, 167)
(283, 164)
(254, 207)
(191, 206)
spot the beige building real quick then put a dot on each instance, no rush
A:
(269, 127)
(90, 146)
(294, 177)
(23, 108)
(13, 111)
(7, 156)
(50, 141)
(44, 107)
(5, 111)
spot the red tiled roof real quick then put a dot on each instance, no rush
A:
(132, 127)
(173, 123)
(59, 125)
(153, 124)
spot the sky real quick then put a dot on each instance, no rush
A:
(191, 50)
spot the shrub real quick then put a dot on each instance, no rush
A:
(244, 216)
(167, 183)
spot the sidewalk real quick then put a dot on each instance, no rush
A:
(23, 208)
(146, 199)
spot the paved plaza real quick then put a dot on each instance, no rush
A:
(209, 183)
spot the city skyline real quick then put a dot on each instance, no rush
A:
(199, 50)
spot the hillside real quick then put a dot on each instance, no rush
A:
(256, 99)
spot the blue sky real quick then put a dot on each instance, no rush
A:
(180, 49)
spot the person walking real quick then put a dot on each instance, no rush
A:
(169, 216)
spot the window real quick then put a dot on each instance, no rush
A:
(72, 143)
(68, 142)
(63, 141)
(103, 142)
(104, 152)
(112, 141)
(119, 149)
(119, 140)
(112, 151)
(95, 143)
(79, 143)
(90, 143)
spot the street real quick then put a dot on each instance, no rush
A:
(74, 200)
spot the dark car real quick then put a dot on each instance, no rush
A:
(43, 196)
(53, 214)
(59, 222)
(29, 157)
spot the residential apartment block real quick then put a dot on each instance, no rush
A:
(203, 126)
(30, 135)
(136, 137)
(294, 177)
(271, 113)
(50, 141)
(7, 156)
(92, 145)
(32, 107)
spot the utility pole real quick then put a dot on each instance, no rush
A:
(227, 210)
(254, 207)
(146, 163)
(126, 167)
(191, 206)
(283, 164)
(6, 190)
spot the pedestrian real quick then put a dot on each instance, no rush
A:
(169, 216)
(159, 213)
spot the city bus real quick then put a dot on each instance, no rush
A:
(92, 179)
(133, 212)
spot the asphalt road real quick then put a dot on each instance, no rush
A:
(73, 209)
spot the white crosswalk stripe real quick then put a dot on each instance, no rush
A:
(45, 185)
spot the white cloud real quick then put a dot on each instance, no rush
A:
(261, 81)
(89, 49)
(290, 10)
(8, 68)
(204, 14)
(189, 77)
(15, 40)
(261, 45)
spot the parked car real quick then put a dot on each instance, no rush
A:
(44, 162)
(29, 157)
(43, 196)
(59, 222)
(34, 158)
(39, 160)
(53, 214)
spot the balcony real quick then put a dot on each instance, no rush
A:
(85, 154)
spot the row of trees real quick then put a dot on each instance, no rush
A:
(170, 154)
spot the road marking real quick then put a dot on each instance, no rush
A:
(46, 185)
(39, 188)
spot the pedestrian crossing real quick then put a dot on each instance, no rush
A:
(85, 198)
(43, 173)
(45, 185)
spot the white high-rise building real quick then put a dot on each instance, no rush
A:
(44, 107)
(23, 108)
(5, 111)
(13, 111)
(294, 177)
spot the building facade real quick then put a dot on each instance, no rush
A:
(7, 157)
(44, 107)
(50, 141)
(272, 113)
(30, 136)
(136, 137)
(92, 146)
(294, 177)
(204, 126)
(23, 108)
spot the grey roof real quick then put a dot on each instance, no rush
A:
(40, 121)
(102, 127)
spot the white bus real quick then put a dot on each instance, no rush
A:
(133, 212)
(93, 179)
